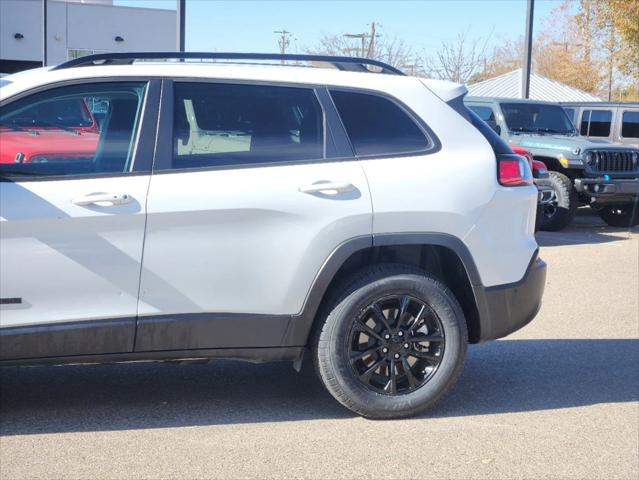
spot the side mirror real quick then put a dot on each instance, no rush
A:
(497, 128)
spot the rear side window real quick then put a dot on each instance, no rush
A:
(596, 123)
(75, 130)
(378, 126)
(225, 124)
(630, 125)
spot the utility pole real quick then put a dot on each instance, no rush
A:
(44, 33)
(525, 77)
(284, 41)
(362, 37)
(180, 17)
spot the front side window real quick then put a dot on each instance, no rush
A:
(487, 114)
(630, 124)
(537, 118)
(76, 130)
(223, 124)
(377, 125)
(596, 123)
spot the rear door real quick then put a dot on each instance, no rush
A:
(72, 216)
(249, 197)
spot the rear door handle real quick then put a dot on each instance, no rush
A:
(105, 199)
(328, 188)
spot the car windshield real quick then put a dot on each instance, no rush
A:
(537, 118)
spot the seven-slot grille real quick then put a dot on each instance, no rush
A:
(613, 161)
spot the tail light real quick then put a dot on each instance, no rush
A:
(513, 171)
(539, 169)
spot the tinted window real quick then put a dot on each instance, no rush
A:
(487, 114)
(536, 118)
(630, 125)
(57, 132)
(222, 124)
(596, 123)
(499, 146)
(377, 125)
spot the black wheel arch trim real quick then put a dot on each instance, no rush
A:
(301, 324)
(502, 309)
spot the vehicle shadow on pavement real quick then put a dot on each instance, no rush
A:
(528, 375)
(586, 228)
(500, 377)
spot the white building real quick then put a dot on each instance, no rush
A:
(79, 27)
(508, 85)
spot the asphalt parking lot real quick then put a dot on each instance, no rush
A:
(558, 399)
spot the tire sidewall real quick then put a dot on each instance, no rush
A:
(566, 203)
(453, 325)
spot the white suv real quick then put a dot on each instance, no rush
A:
(188, 210)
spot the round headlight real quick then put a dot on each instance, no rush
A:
(635, 157)
(588, 157)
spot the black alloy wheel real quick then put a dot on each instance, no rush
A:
(396, 344)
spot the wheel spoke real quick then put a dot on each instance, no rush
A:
(412, 381)
(359, 355)
(417, 319)
(370, 370)
(391, 386)
(425, 355)
(366, 329)
(437, 338)
(379, 315)
(401, 314)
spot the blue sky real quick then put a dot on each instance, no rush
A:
(248, 26)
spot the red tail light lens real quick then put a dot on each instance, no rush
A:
(514, 171)
(539, 167)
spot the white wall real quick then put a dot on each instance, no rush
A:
(90, 26)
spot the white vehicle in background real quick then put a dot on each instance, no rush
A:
(263, 212)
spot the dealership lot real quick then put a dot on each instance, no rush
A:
(558, 399)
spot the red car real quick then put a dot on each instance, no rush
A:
(62, 130)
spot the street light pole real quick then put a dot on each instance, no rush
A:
(180, 17)
(525, 74)
(44, 33)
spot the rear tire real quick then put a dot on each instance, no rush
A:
(626, 215)
(561, 212)
(408, 361)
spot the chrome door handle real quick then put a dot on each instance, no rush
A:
(107, 199)
(328, 188)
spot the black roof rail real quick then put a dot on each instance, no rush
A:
(353, 64)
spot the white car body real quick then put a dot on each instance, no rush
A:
(207, 248)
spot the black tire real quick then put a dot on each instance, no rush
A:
(562, 211)
(626, 215)
(333, 342)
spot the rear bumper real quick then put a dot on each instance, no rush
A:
(608, 190)
(504, 309)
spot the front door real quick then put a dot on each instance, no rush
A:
(74, 179)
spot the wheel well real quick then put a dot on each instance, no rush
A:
(441, 262)
(551, 163)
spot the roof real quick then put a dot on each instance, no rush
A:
(508, 85)
(289, 74)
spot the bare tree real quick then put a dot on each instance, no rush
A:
(458, 60)
(393, 51)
